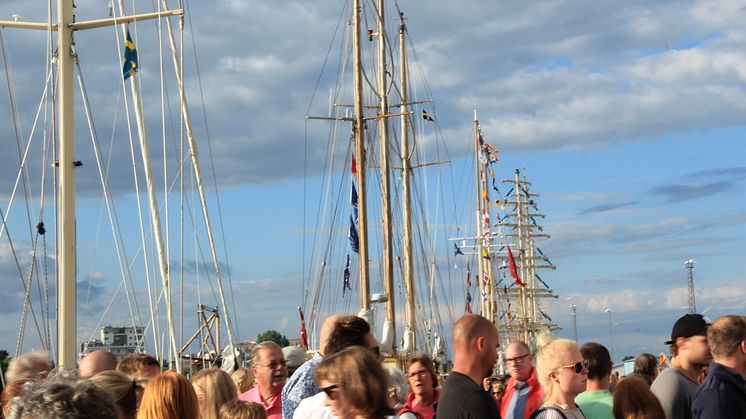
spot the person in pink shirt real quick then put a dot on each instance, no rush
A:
(270, 373)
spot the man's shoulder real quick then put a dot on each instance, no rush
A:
(671, 378)
(303, 377)
(463, 398)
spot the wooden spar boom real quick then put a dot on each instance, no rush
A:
(407, 193)
(360, 152)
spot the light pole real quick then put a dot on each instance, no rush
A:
(574, 315)
(611, 334)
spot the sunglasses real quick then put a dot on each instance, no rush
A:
(578, 366)
(274, 364)
(517, 360)
(329, 391)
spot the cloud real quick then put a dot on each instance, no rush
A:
(583, 196)
(607, 207)
(727, 297)
(680, 193)
(733, 173)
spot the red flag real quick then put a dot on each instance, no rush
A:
(354, 166)
(513, 269)
(303, 334)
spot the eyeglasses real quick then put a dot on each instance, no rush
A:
(418, 373)
(518, 359)
(274, 364)
(578, 366)
(329, 391)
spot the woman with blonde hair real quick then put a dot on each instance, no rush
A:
(634, 400)
(244, 379)
(122, 388)
(213, 387)
(563, 374)
(238, 409)
(169, 396)
(355, 384)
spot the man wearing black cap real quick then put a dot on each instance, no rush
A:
(675, 387)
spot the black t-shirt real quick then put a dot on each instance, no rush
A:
(462, 398)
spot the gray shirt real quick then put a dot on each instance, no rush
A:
(675, 390)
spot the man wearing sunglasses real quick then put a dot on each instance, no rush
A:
(523, 394)
(270, 373)
(596, 400)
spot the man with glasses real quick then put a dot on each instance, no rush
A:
(270, 373)
(596, 400)
(523, 394)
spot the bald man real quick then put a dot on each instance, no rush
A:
(475, 342)
(96, 362)
(302, 383)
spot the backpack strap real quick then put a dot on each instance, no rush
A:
(544, 408)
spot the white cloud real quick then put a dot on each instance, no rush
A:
(726, 297)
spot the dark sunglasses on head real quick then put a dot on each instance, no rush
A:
(329, 390)
(578, 366)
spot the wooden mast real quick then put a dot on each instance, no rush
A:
(360, 154)
(406, 192)
(66, 224)
(383, 125)
(66, 271)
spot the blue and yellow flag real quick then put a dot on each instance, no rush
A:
(130, 57)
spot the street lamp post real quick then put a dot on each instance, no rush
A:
(611, 334)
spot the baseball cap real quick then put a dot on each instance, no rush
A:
(687, 326)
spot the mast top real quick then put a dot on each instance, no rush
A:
(475, 115)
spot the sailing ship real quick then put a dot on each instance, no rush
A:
(147, 265)
(505, 253)
(379, 176)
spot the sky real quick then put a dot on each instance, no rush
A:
(627, 119)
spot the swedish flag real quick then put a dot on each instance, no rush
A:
(130, 57)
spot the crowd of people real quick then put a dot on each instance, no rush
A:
(346, 379)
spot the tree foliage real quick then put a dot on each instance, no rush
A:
(273, 336)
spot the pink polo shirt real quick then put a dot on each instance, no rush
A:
(274, 410)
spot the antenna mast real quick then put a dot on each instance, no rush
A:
(690, 268)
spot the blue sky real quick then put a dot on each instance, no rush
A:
(629, 121)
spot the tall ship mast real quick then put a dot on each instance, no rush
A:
(504, 252)
(374, 255)
(524, 307)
